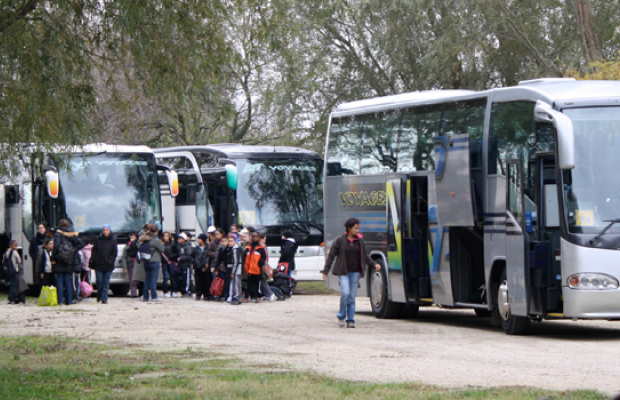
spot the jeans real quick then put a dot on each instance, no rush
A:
(175, 281)
(103, 285)
(13, 291)
(165, 270)
(150, 283)
(133, 285)
(348, 291)
(65, 288)
(276, 290)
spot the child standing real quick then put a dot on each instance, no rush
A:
(14, 261)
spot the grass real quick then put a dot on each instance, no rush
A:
(56, 368)
(314, 288)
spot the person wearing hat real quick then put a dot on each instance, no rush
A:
(201, 269)
(287, 252)
(103, 255)
(185, 260)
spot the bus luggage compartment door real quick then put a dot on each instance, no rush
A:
(453, 183)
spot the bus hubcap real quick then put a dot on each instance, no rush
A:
(502, 301)
(376, 289)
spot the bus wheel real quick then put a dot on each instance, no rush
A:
(382, 307)
(512, 324)
(120, 290)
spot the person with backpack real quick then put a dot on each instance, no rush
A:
(11, 263)
(149, 252)
(281, 285)
(287, 251)
(36, 243)
(228, 262)
(103, 256)
(185, 260)
(66, 245)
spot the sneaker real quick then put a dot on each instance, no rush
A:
(186, 295)
(173, 294)
(198, 298)
(280, 299)
(272, 298)
(350, 324)
(253, 301)
(143, 299)
(341, 323)
(157, 300)
(167, 295)
(206, 299)
(104, 302)
(236, 303)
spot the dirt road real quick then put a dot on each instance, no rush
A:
(448, 348)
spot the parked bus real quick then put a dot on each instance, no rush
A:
(90, 186)
(271, 188)
(506, 201)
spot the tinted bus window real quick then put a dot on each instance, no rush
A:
(379, 138)
(416, 145)
(345, 146)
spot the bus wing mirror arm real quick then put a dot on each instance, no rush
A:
(543, 112)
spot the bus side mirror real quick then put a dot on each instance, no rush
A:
(52, 183)
(173, 182)
(231, 176)
(564, 129)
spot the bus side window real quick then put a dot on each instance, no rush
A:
(379, 135)
(416, 143)
(345, 145)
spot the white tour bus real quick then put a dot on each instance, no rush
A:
(271, 188)
(506, 201)
(90, 186)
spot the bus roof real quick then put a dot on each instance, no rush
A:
(232, 150)
(551, 90)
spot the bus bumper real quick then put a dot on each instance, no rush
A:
(591, 304)
(308, 268)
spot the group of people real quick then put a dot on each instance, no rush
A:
(232, 268)
(228, 267)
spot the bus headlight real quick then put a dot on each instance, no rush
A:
(592, 281)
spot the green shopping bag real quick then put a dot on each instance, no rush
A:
(48, 296)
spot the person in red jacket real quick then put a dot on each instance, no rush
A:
(254, 257)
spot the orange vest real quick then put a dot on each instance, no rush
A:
(252, 259)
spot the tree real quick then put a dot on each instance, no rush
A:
(62, 63)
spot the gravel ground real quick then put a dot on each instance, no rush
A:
(442, 347)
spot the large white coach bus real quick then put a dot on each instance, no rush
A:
(506, 201)
(90, 186)
(271, 188)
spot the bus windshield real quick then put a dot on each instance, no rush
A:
(111, 188)
(592, 188)
(281, 192)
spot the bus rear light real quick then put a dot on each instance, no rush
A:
(592, 281)
(52, 184)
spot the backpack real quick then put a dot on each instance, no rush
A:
(144, 252)
(65, 252)
(8, 269)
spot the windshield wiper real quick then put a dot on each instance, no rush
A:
(605, 229)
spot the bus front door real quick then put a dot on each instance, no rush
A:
(416, 271)
(513, 291)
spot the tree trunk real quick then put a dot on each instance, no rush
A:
(589, 40)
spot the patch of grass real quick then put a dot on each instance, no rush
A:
(53, 368)
(314, 288)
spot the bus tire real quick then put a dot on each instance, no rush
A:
(120, 290)
(382, 307)
(511, 324)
